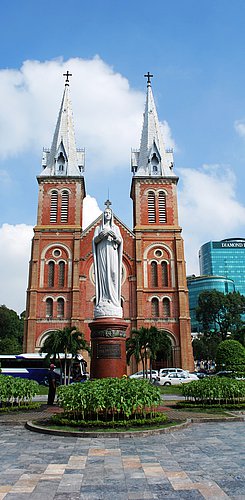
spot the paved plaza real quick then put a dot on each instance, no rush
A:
(204, 460)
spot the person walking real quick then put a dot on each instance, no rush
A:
(52, 385)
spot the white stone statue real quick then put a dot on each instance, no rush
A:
(107, 252)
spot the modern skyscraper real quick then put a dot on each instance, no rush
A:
(199, 284)
(224, 258)
(61, 289)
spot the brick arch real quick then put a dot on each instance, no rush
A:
(43, 261)
(42, 337)
(146, 261)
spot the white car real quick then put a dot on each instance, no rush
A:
(180, 371)
(140, 374)
(175, 379)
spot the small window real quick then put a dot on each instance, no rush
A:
(61, 279)
(53, 207)
(162, 207)
(155, 308)
(64, 206)
(154, 280)
(60, 308)
(164, 266)
(151, 207)
(166, 307)
(51, 274)
(49, 308)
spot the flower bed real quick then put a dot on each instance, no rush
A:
(215, 390)
(15, 391)
(109, 399)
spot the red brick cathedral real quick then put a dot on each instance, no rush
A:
(61, 288)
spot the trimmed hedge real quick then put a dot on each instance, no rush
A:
(109, 399)
(158, 420)
(16, 391)
(215, 390)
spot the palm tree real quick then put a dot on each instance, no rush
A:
(144, 344)
(67, 341)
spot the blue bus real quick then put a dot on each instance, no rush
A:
(35, 366)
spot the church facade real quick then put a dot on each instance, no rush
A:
(61, 287)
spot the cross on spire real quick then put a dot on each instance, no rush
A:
(107, 203)
(148, 76)
(67, 74)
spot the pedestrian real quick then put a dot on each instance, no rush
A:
(52, 385)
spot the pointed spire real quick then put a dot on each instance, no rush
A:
(152, 157)
(63, 159)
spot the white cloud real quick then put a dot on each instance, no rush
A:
(239, 126)
(15, 252)
(91, 210)
(208, 209)
(108, 114)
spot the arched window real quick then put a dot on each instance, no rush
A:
(51, 274)
(61, 278)
(162, 207)
(60, 308)
(151, 207)
(154, 280)
(155, 308)
(166, 307)
(164, 273)
(53, 206)
(49, 308)
(64, 206)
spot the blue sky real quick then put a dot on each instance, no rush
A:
(195, 49)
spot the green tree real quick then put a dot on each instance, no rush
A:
(11, 331)
(68, 341)
(205, 346)
(144, 344)
(231, 356)
(219, 312)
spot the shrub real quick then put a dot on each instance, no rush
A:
(16, 390)
(109, 399)
(213, 390)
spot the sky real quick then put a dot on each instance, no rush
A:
(195, 50)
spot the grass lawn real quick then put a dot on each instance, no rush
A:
(173, 389)
(43, 390)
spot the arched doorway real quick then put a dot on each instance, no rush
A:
(166, 357)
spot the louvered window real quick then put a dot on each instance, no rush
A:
(166, 308)
(61, 274)
(151, 207)
(60, 308)
(49, 308)
(164, 273)
(154, 280)
(51, 274)
(54, 207)
(155, 307)
(64, 206)
(162, 207)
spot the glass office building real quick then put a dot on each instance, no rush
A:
(225, 258)
(198, 284)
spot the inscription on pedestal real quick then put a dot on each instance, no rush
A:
(108, 351)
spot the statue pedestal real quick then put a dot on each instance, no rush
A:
(108, 343)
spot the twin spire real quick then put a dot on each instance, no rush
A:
(64, 159)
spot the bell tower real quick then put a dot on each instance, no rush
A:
(161, 288)
(53, 288)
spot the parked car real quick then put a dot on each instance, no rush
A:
(180, 371)
(199, 375)
(175, 379)
(140, 374)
